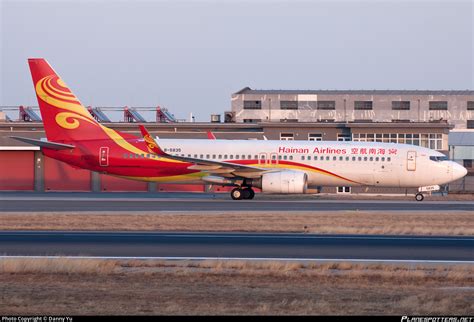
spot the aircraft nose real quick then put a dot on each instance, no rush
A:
(458, 171)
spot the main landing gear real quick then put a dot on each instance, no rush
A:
(242, 193)
(419, 196)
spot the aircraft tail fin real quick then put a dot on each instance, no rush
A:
(64, 117)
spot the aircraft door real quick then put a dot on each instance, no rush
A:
(104, 156)
(411, 160)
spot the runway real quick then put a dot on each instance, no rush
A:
(47, 202)
(238, 245)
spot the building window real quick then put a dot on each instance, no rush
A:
(343, 189)
(289, 105)
(428, 140)
(287, 136)
(470, 124)
(315, 137)
(470, 105)
(343, 137)
(326, 105)
(438, 105)
(400, 105)
(363, 105)
(467, 163)
(252, 105)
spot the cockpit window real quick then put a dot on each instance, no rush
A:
(438, 158)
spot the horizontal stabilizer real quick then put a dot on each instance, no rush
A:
(44, 144)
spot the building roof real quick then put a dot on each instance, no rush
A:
(248, 90)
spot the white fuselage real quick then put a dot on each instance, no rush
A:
(330, 163)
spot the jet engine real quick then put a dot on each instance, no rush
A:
(283, 182)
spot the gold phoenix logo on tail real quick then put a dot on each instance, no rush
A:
(150, 143)
(52, 90)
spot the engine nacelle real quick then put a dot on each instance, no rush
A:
(283, 182)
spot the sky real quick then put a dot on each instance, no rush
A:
(190, 56)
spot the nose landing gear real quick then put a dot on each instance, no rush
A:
(245, 193)
(419, 196)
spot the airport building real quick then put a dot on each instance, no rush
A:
(440, 120)
(354, 106)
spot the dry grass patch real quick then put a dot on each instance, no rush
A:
(320, 222)
(56, 266)
(79, 286)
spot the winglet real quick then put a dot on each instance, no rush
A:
(151, 143)
(211, 135)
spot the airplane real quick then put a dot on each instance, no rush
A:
(281, 167)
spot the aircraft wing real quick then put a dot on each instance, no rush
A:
(224, 169)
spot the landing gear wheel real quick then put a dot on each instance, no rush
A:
(248, 193)
(419, 197)
(236, 194)
(252, 193)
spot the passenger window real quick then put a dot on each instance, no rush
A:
(376, 158)
(347, 158)
(360, 158)
(213, 156)
(365, 158)
(353, 158)
(315, 157)
(142, 155)
(195, 156)
(273, 157)
(236, 156)
(243, 157)
(389, 159)
(207, 156)
(201, 156)
(327, 158)
(189, 155)
(256, 157)
(125, 155)
(341, 158)
(334, 158)
(137, 156)
(231, 157)
(279, 157)
(285, 157)
(262, 157)
(220, 156)
(131, 155)
(302, 157)
(148, 155)
(291, 157)
(371, 159)
(382, 159)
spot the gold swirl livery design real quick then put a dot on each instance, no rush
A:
(150, 144)
(52, 90)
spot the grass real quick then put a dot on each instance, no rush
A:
(92, 286)
(320, 222)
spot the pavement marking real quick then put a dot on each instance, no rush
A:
(108, 199)
(231, 235)
(401, 261)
